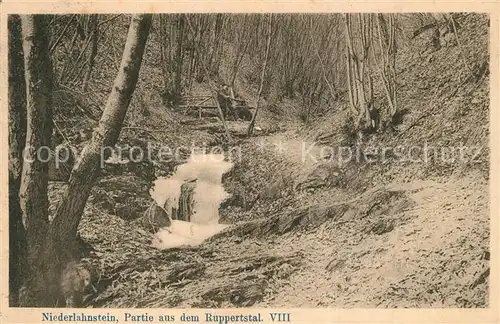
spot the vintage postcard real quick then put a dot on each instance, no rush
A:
(239, 162)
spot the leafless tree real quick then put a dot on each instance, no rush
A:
(358, 29)
(263, 75)
(17, 138)
(386, 30)
(50, 246)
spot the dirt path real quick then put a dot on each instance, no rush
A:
(432, 257)
(302, 154)
(418, 244)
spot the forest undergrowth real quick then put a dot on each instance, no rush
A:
(318, 233)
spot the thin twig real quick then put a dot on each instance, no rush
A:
(53, 47)
(60, 132)
(330, 88)
(110, 19)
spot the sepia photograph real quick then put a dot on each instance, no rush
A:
(248, 160)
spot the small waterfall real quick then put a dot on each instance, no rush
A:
(208, 193)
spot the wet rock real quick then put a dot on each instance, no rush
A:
(154, 218)
(186, 202)
(171, 207)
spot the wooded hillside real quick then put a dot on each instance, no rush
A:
(361, 178)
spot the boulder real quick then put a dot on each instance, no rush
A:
(171, 207)
(154, 218)
(186, 201)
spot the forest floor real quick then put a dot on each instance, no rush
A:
(422, 247)
(317, 233)
(421, 243)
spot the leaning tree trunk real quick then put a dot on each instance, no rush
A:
(17, 137)
(106, 135)
(61, 236)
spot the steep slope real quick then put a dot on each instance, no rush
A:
(401, 231)
(430, 249)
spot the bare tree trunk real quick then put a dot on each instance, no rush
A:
(387, 67)
(34, 180)
(220, 27)
(17, 138)
(262, 76)
(323, 68)
(196, 60)
(63, 74)
(179, 60)
(17, 243)
(365, 27)
(38, 78)
(93, 51)
(358, 67)
(163, 52)
(214, 53)
(237, 64)
(54, 46)
(351, 77)
(241, 50)
(86, 172)
(17, 96)
(59, 241)
(213, 91)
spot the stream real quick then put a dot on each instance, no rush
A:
(206, 171)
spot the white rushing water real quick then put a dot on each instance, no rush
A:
(207, 195)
